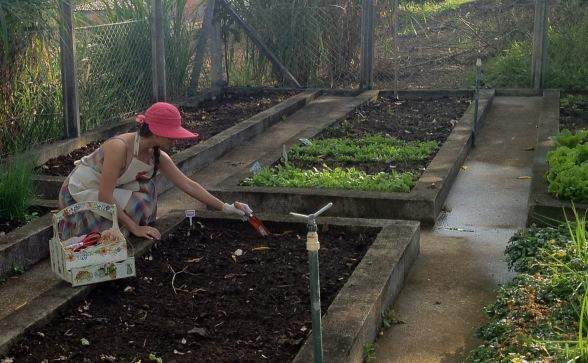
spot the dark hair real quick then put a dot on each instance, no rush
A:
(145, 132)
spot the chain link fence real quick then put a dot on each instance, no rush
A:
(114, 71)
(421, 46)
(30, 78)
(319, 45)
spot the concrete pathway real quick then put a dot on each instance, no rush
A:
(458, 270)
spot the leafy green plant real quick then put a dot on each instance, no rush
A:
(541, 315)
(369, 352)
(568, 166)
(18, 269)
(368, 148)
(16, 189)
(572, 102)
(338, 178)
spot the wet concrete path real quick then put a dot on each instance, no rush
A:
(462, 258)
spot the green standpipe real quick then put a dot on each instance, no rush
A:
(477, 100)
(313, 246)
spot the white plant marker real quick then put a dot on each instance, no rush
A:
(190, 213)
(255, 168)
(285, 154)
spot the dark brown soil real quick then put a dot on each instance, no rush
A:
(245, 308)
(574, 119)
(409, 120)
(7, 226)
(208, 119)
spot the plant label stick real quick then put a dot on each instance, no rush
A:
(285, 154)
(255, 168)
(190, 213)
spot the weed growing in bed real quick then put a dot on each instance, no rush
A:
(369, 148)
(349, 179)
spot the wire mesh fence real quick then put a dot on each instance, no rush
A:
(30, 79)
(114, 71)
(422, 46)
(418, 44)
(319, 45)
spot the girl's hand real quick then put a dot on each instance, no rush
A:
(146, 232)
(240, 209)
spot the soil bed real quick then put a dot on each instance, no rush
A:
(225, 308)
(574, 119)
(208, 119)
(405, 119)
(7, 226)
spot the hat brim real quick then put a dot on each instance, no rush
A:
(172, 133)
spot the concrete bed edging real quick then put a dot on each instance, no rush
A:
(200, 154)
(352, 320)
(544, 208)
(25, 246)
(423, 203)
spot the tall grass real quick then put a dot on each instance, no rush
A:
(30, 89)
(16, 189)
(317, 40)
(566, 64)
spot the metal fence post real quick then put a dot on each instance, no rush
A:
(368, 17)
(539, 43)
(158, 51)
(69, 81)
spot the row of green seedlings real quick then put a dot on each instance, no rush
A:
(364, 150)
(542, 314)
(568, 166)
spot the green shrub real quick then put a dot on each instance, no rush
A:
(540, 315)
(568, 166)
(567, 51)
(16, 189)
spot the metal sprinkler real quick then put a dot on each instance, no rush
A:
(312, 246)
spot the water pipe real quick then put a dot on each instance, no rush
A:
(477, 100)
(312, 246)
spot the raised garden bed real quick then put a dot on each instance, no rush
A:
(207, 118)
(28, 245)
(543, 207)
(425, 116)
(221, 132)
(221, 306)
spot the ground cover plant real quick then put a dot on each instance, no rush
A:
(221, 293)
(383, 147)
(540, 316)
(568, 166)
(208, 119)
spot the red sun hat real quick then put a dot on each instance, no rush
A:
(164, 120)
